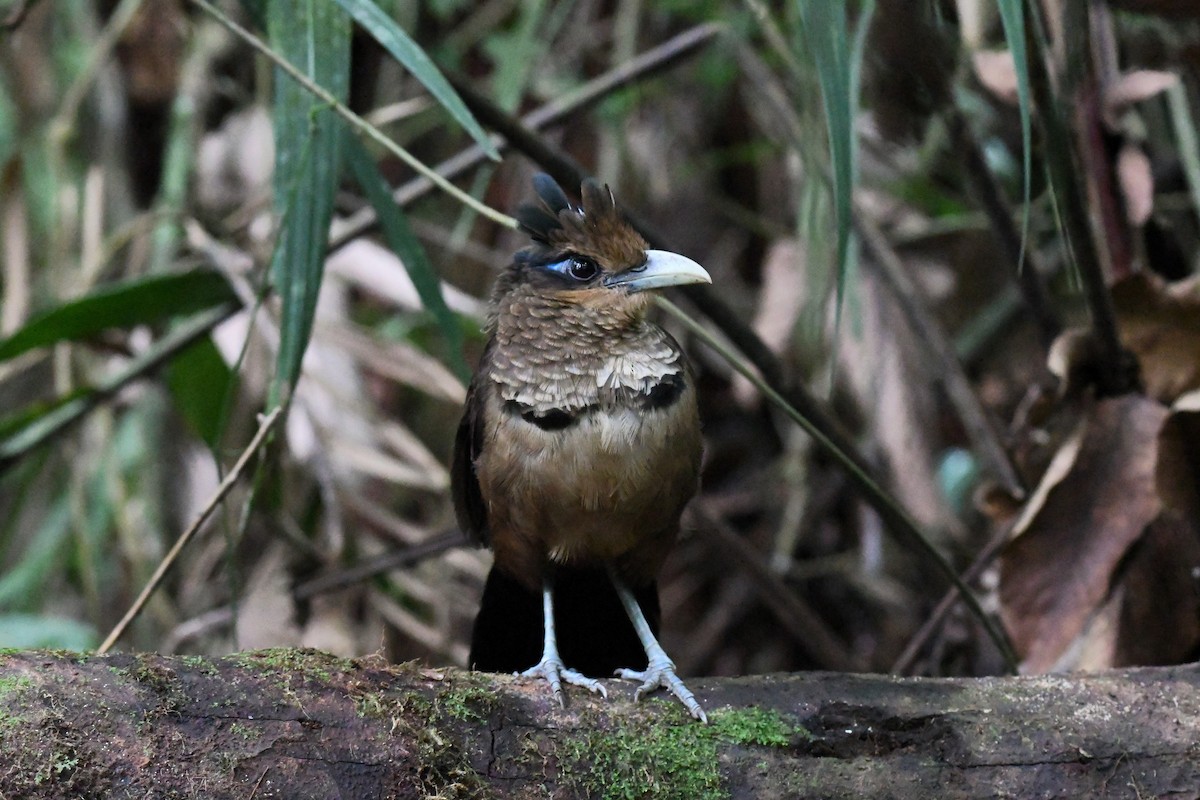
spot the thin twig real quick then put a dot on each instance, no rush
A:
(807, 627)
(356, 121)
(939, 350)
(649, 63)
(396, 559)
(893, 514)
(983, 184)
(1116, 367)
(60, 418)
(16, 15)
(63, 120)
(173, 554)
(916, 644)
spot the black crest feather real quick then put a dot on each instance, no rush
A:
(550, 192)
(542, 220)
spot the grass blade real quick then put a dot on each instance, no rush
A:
(142, 301)
(32, 431)
(413, 58)
(200, 382)
(825, 29)
(314, 34)
(405, 244)
(1013, 20)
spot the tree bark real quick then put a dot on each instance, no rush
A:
(300, 724)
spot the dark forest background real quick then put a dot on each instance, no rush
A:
(958, 240)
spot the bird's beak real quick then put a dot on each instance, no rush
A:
(660, 269)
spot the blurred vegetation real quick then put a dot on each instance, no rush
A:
(970, 275)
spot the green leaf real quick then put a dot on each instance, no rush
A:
(23, 579)
(257, 11)
(30, 432)
(405, 244)
(1014, 31)
(39, 632)
(413, 58)
(515, 54)
(200, 381)
(314, 35)
(12, 422)
(142, 301)
(826, 33)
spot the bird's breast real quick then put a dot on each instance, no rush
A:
(588, 484)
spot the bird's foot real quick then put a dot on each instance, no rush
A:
(660, 674)
(554, 673)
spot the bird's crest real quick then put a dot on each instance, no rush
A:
(595, 228)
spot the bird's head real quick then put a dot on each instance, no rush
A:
(589, 256)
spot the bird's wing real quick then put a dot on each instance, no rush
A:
(469, 508)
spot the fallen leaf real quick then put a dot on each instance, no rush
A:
(1093, 504)
(780, 303)
(1160, 323)
(1134, 87)
(1073, 359)
(1104, 567)
(1172, 9)
(1137, 183)
(997, 73)
(1160, 619)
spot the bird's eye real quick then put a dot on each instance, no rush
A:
(582, 269)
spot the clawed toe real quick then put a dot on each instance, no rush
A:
(554, 673)
(662, 676)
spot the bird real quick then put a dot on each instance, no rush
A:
(579, 447)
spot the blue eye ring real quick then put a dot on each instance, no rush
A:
(577, 268)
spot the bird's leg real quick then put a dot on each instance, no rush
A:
(551, 666)
(660, 671)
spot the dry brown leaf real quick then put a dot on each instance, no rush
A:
(1173, 9)
(151, 51)
(780, 302)
(1160, 324)
(878, 361)
(1137, 183)
(1160, 619)
(1072, 359)
(1093, 504)
(997, 73)
(1102, 571)
(1134, 87)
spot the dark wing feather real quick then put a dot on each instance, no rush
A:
(469, 508)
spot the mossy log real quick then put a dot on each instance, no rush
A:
(301, 724)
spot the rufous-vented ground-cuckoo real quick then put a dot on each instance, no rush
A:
(578, 450)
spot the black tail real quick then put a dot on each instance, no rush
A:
(595, 636)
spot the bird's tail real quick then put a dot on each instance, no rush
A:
(595, 636)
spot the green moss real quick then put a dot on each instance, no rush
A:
(199, 664)
(15, 683)
(444, 771)
(674, 757)
(628, 762)
(10, 687)
(161, 681)
(756, 726)
(243, 731)
(467, 699)
(310, 663)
